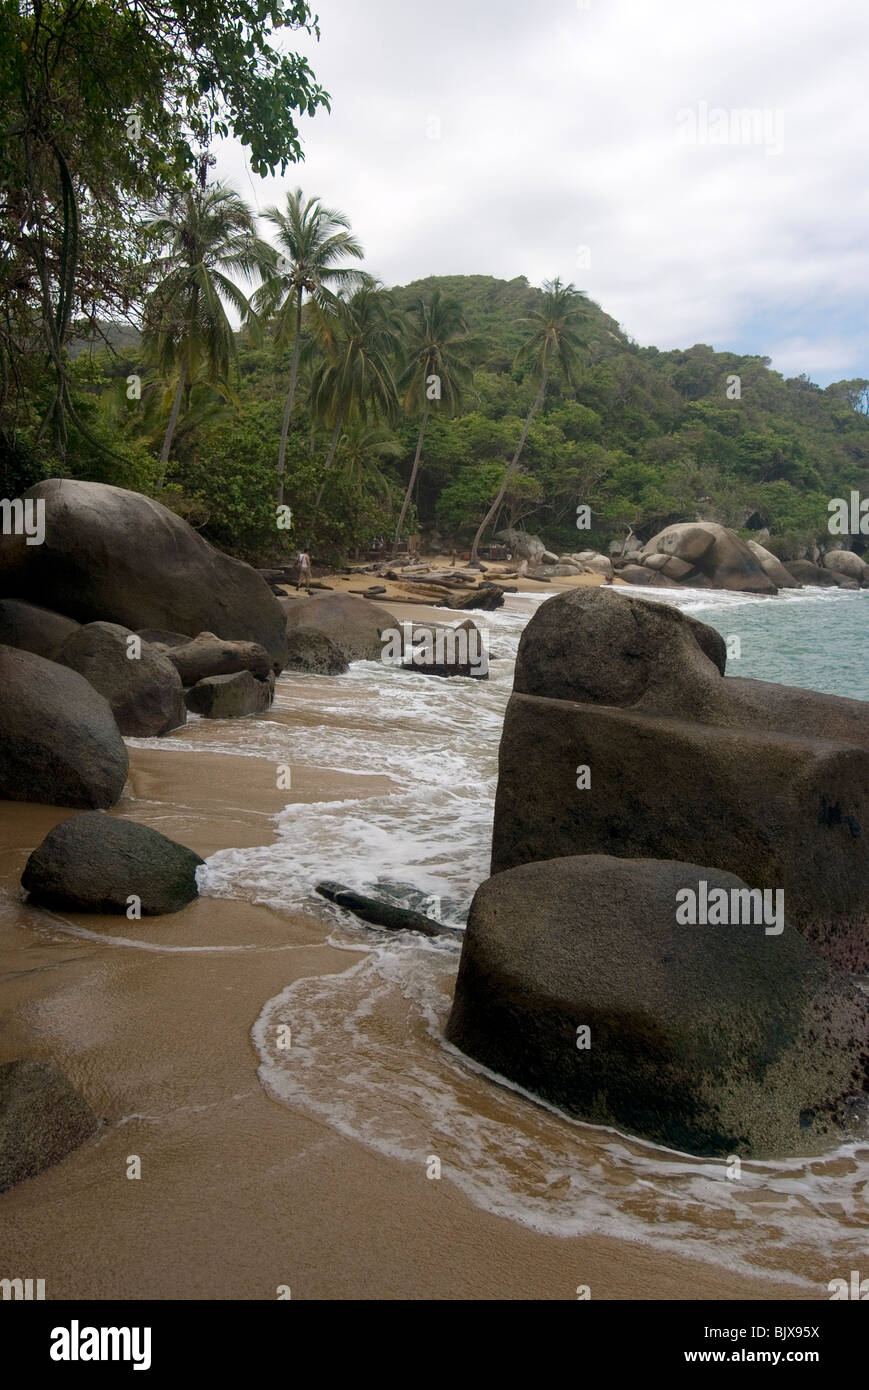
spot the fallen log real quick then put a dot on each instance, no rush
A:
(381, 913)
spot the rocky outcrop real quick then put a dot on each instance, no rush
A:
(59, 742)
(229, 697)
(115, 556)
(773, 567)
(34, 629)
(352, 624)
(714, 554)
(848, 563)
(808, 573)
(578, 982)
(208, 655)
(143, 688)
(99, 863)
(766, 781)
(42, 1119)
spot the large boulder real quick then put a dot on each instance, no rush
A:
(522, 546)
(773, 567)
(715, 552)
(143, 689)
(208, 655)
(34, 629)
(97, 863)
(314, 652)
(767, 781)
(229, 697)
(848, 563)
(59, 742)
(42, 1119)
(116, 556)
(353, 624)
(711, 1039)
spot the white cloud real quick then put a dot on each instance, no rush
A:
(559, 129)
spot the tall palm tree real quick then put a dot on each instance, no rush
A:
(359, 335)
(553, 341)
(210, 234)
(437, 338)
(312, 241)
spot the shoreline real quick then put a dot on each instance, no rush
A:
(240, 1193)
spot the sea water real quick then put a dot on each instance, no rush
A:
(369, 1056)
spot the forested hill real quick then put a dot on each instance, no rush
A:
(647, 436)
(644, 437)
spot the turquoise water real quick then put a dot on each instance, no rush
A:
(815, 638)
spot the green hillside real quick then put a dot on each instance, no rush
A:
(644, 437)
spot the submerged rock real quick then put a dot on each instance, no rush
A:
(710, 1039)
(42, 1119)
(95, 863)
(59, 741)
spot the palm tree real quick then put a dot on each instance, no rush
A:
(210, 234)
(437, 336)
(365, 446)
(312, 240)
(358, 335)
(552, 342)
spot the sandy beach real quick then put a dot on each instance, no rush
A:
(238, 1194)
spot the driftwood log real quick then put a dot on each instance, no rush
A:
(381, 913)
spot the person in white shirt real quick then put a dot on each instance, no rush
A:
(304, 571)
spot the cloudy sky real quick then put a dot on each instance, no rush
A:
(611, 142)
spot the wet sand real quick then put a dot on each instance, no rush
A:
(239, 1194)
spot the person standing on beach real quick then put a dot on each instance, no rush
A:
(304, 571)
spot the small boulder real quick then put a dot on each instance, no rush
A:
(229, 697)
(42, 1119)
(207, 655)
(637, 574)
(144, 690)
(95, 863)
(34, 629)
(59, 742)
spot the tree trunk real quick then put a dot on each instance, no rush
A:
(538, 401)
(333, 449)
(407, 496)
(288, 408)
(173, 421)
